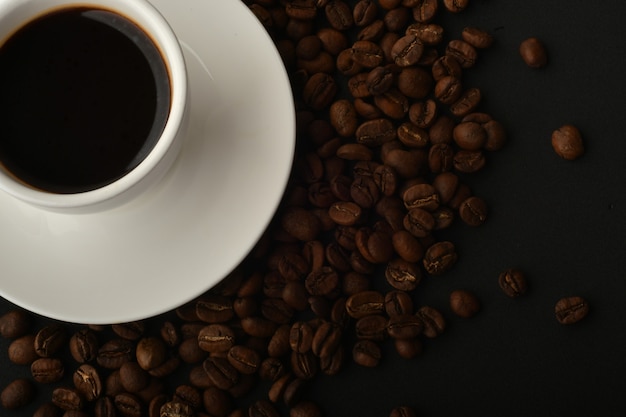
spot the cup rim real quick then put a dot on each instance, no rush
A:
(166, 41)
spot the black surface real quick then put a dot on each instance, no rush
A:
(562, 222)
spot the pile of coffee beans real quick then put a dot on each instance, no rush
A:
(388, 137)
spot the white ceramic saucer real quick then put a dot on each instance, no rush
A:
(191, 230)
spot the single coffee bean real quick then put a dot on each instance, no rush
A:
(301, 9)
(49, 410)
(433, 320)
(407, 50)
(216, 338)
(304, 365)
(114, 353)
(403, 275)
(47, 370)
(415, 82)
(49, 340)
(463, 52)
(133, 377)
(375, 246)
(454, 6)
(476, 37)
(301, 224)
(131, 331)
(305, 409)
(221, 372)
(327, 339)
(87, 382)
(367, 54)
(375, 132)
(365, 303)
(473, 211)
(258, 327)
(567, 142)
(345, 213)
(446, 66)
(513, 282)
(67, 399)
(392, 103)
(372, 327)
(430, 34)
(364, 12)
(366, 353)
(244, 359)
(404, 326)
(276, 309)
(17, 394)
(440, 158)
(150, 353)
(419, 222)
(22, 350)
(343, 117)
(440, 257)
(570, 310)
(214, 309)
(408, 348)
(14, 323)
(464, 303)
(272, 369)
(308, 48)
(322, 281)
(425, 11)
(533, 53)
(333, 40)
(398, 303)
(379, 80)
(186, 394)
(350, 68)
(386, 179)
(467, 102)
(470, 136)
(339, 15)
(217, 402)
(319, 91)
(174, 409)
(422, 196)
(332, 365)
(407, 163)
(301, 337)
(448, 89)
(84, 345)
(469, 161)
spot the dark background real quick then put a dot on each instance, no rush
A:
(562, 222)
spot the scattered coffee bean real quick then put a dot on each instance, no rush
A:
(513, 282)
(464, 303)
(533, 53)
(18, 393)
(570, 310)
(567, 142)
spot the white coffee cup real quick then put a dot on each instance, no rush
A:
(14, 14)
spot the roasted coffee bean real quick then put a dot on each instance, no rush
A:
(469, 100)
(513, 282)
(430, 34)
(17, 393)
(434, 323)
(319, 91)
(473, 211)
(274, 282)
(343, 117)
(14, 323)
(446, 66)
(186, 394)
(440, 257)
(131, 331)
(367, 54)
(425, 11)
(47, 370)
(293, 266)
(49, 340)
(262, 408)
(133, 377)
(114, 353)
(403, 275)
(305, 409)
(84, 346)
(375, 246)
(258, 327)
(301, 337)
(22, 350)
(326, 339)
(404, 411)
(533, 53)
(419, 222)
(567, 142)
(339, 15)
(276, 309)
(448, 89)
(380, 80)
(464, 303)
(463, 52)
(244, 359)
(357, 85)
(470, 136)
(364, 12)
(415, 82)
(345, 213)
(87, 382)
(398, 303)
(375, 132)
(301, 224)
(405, 326)
(440, 158)
(67, 398)
(444, 217)
(408, 348)
(407, 50)
(304, 365)
(422, 196)
(386, 179)
(365, 303)
(308, 48)
(150, 352)
(372, 327)
(271, 369)
(214, 309)
(570, 310)
(322, 281)
(221, 372)
(423, 113)
(216, 402)
(350, 68)
(476, 37)
(301, 9)
(407, 246)
(366, 353)
(469, 161)
(392, 103)
(295, 296)
(49, 410)
(333, 40)
(216, 338)
(455, 6)
(174, 409)
(364, 191)
(354, 152)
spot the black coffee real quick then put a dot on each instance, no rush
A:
(85, 97)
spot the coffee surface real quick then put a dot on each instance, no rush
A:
(85, 97)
